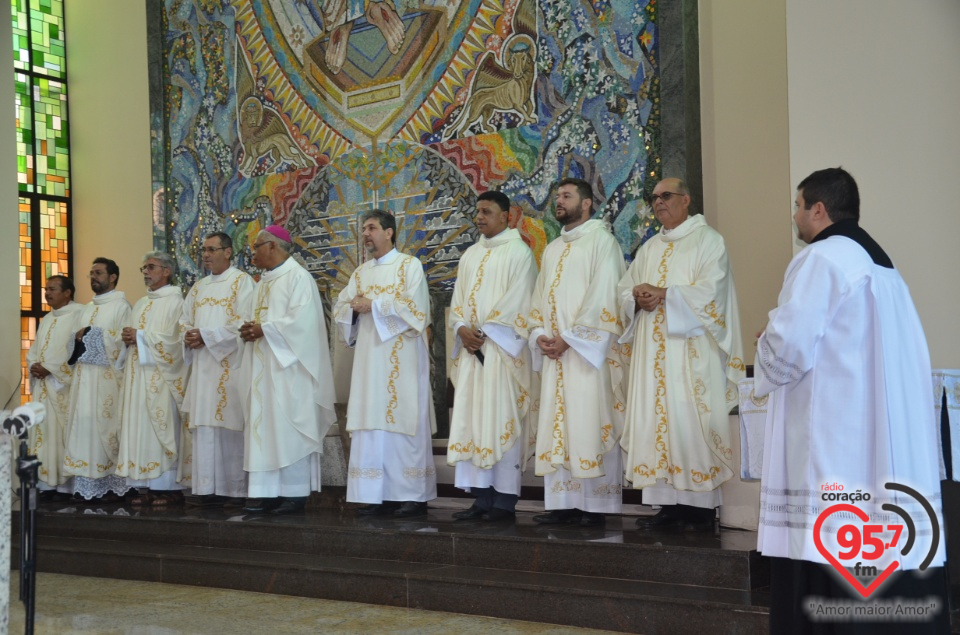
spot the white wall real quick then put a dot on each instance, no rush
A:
(109, 138)
(874, 86)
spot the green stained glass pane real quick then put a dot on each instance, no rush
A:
(21, 50)
(50, 143)
(47, 37)
(25, 163)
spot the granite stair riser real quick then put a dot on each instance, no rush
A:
(722, 569)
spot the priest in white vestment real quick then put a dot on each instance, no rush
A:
(93, 416)
(213, 311)
(844, 363)
(154, 379)
(50, 379)
(491, 373)
(384, 311)
(573, 331)
(682, 323)
(287, 357)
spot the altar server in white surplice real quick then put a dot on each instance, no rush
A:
(679, 308)
(96, 398)
(50, 379)
(384, 311)
(845, 364)
(491, 370)
(287, 356)
(574, 330)
(154, 379)
(213, 311)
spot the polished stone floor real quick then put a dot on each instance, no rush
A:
(69, 605)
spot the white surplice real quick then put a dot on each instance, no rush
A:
(390, 412)
(845, 363)
(291, 385)
(581, 400)
(154, 379)
(51, 349)
(686, 358)
(494, 399)
(213, 404)
(96, 399)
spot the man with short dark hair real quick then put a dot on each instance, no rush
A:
(154, 378)
(573, 330)
(491, 373)
(213, 311)
(679, 308)
(384, 311)
(93, 420)
(845, 364)
(50, 379)
(287, 356)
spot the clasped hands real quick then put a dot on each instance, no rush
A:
(648, 297)
(250, 331)
(193, 339)
(552, 347)
(360, 304)
(472, 340)
(129, 335)
(37, 370)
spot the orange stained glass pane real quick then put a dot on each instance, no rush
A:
(28, 333)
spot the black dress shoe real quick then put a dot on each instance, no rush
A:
(377, 509)
(469, 514)
(663, 519)
(559, 517)
(261, 505)
(410, 509)
(289, 507)
(592, 519)
(698, 526)
(496, 514)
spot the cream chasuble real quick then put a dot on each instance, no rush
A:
(686, 359)
(581, 403)
(216, 392)
(93, 422)
(154, 380)
(291, 391)
(51, 350)
(390, 412)
(493, 399)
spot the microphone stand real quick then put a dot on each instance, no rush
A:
(27, 468)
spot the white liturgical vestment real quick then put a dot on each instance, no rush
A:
(291, 383)
(51, 349)
(217, 389)
(96, 399)
(390, 412)
(845, 364)
(581, 401)
(154, 379)
(686, 359)
(494, 398)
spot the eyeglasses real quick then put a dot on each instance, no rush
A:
(150, 267)
(211, 250)
(256, 246)
(666, 196)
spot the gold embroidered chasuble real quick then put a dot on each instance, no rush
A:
(581, 403)
(93, 420)
(385, 383)
(154, 380)
(493, 401)
(217, 305)
(290, 406)
(686, 358)
(51, 349)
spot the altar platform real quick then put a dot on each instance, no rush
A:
(613, 577)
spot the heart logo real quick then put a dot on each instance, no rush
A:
(854, 582)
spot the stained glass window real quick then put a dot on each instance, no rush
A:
(43, 157)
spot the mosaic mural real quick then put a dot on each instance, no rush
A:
(307, 113)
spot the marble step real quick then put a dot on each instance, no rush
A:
(524, 547)
(579, 600)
